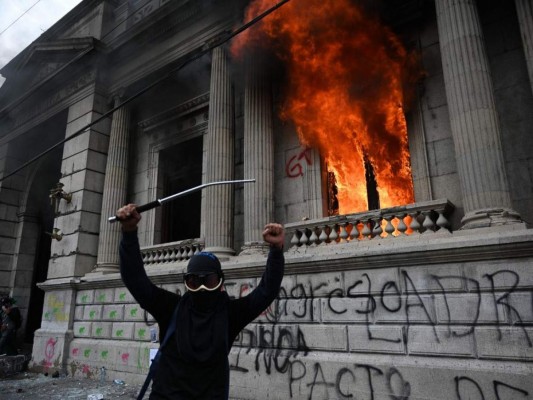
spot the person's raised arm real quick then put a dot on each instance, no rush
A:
(131, 264)
(267, 290)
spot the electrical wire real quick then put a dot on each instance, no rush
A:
(194, 57)
(23, 14)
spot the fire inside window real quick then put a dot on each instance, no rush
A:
(372, 193)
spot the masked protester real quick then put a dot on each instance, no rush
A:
(11, 320)
(193, 358)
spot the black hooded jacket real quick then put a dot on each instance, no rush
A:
(194, 362)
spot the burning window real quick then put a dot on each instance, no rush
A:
(346, 74)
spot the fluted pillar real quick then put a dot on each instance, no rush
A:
(258, 156)
(218, 204)
(474, 120)
(115, 190)
(524, 11)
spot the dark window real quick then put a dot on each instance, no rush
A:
(182, 169)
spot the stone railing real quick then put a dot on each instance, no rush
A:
(171, 252)
(424, 218)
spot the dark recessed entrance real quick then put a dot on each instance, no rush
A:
(182, 170)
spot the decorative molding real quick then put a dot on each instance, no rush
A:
(55, 98)
(472, 248)
(174, 113)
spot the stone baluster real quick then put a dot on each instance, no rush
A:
(218, 204)
(115, 190)
(474, 121)
(258, 157)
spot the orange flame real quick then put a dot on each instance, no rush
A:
(346, 73)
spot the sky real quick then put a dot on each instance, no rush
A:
(43, 14)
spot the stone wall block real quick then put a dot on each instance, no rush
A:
(81, 242)
(419, 309)
(104, 295)
(7, 245)
(438, 341)
(7, 228)
(141, 331)
(82, 329)
(316, 285)
(468, 309)
(86, 180)
(69, 265)
(500, 275)
(88, 140)
(92, 313)
(370, 281)
(85, 296)
(106, 353)
(113, 312)
(432, 279)
(74, 222)
(344, 310)
(101, 330)
(247, 337)
(237, 288)
(505, 342)
(89, 159)
(520, 307)
(123, 295)
(8, 213)
(287, 285)
(292, 310)
(56, 310)
(123, 330)
(78, 313)
(322, 337)
(376, 339)
(133, 312)
(83, 201)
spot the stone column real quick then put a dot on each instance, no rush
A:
(115, 190)
(473, 116)
(258, 157)
(524, 11)
(218, 205)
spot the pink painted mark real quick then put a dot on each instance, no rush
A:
(125, 357)
(294, 167)
(75, 352)
(243, 290)
(49, 352)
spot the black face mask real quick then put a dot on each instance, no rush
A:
(204, 300)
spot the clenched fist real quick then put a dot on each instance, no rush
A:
(274, 234)
(128, 217)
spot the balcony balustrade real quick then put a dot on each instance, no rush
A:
(409, 221)
(425, 218)
(171, 252)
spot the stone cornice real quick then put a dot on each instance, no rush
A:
(87, 45)
(175, 112)
(464, 247)
(174, 13)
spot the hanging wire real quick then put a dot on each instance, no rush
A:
(23, 14)
(206, 50)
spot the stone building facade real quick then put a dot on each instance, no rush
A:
(437, 306)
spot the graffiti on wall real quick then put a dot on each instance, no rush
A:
(296, 164)
(280, 345)
(55, 310)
